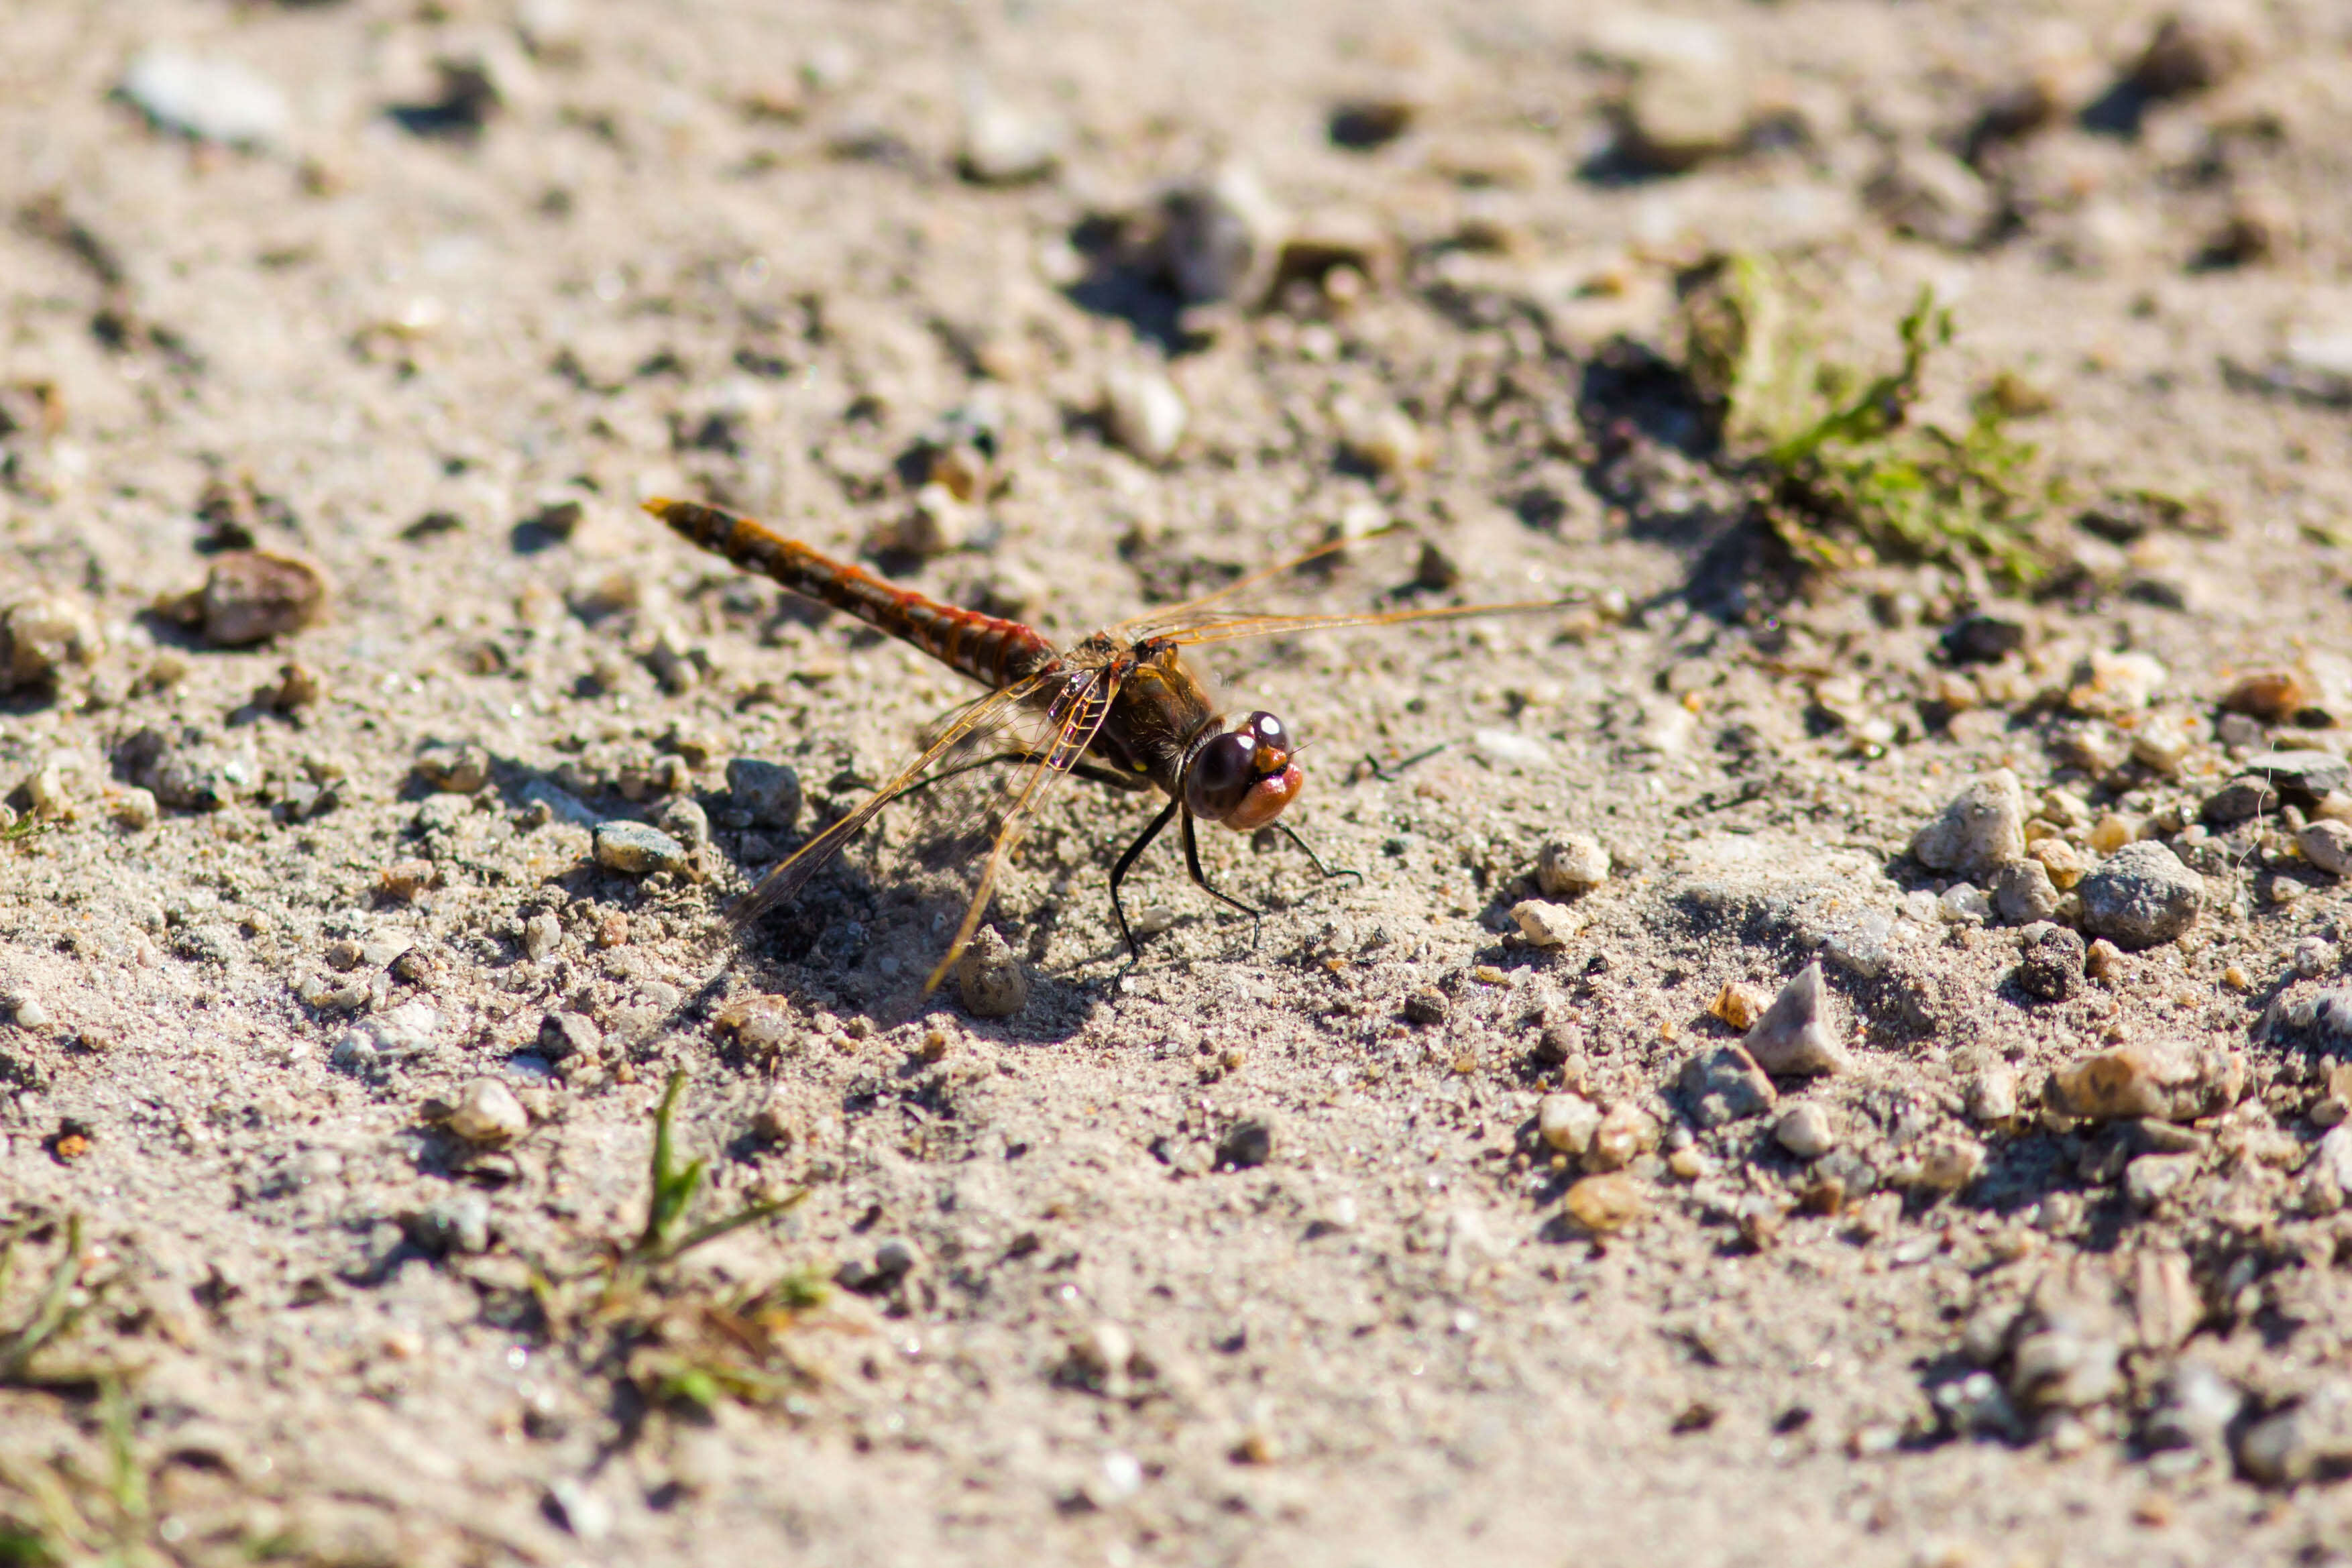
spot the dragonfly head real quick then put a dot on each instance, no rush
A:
(1244, 776)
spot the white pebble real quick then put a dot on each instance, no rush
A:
(1145, 411)
(1805, 1131)
(488, 1112)
(1546, 924)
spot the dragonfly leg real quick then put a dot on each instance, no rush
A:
(1119, 872)
(1192, 863)
(1313, 858)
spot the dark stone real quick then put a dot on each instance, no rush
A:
(2050, 962)
(1247, 1145)
(1983, 639)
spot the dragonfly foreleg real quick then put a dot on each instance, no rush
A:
(1192, 863)
(1119, 872)
(1313, 858)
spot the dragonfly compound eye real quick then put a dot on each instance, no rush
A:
(1221, 775)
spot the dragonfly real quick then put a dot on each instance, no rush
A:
(1122, 707)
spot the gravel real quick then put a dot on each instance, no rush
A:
(1724, 1085)
(638, 850)
(1981, 829)
(487, 1111)
(1797, 1036)
(2142, 897)
(1805, 1131)
(2328, 845)
(991, 978)
(1573, 865)
(2050, 962)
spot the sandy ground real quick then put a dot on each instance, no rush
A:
(1297, 1245)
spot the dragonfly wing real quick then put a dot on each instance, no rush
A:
(1223, 627)
(1076, 714)
(971, 722)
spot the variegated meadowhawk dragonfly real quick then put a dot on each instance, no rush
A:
(1121, 708)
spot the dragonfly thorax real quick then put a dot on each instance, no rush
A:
(1244, 776)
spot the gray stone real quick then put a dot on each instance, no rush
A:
(765, 794)
(487, 1112)
(1221, 238)
(1686, 109)
(2302, 776)
(1724, 1085)
(2321, 1019)
(1981, 829)
(1796, 1033)
(2152, 1178)
(1927, 193)
(210, 99)
(2141, 896)
(252, 596)
(634, 848)
(1004, 145)
(183, 770)
(2328, 845)
(2022, 893)
(2240, 799)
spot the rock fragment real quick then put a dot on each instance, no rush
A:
(487, 1112)
(1980, 830)
(1796, 1035)
(1572, 865)
(252, 596)
(990, 977)
(41, 633)
(637, 850)
(1247, 1144)
(2142, 897)
(453, 769)
(2302, 777)
(1604, 1205)
(205, 99)
(2050, 962)
(1805, 1131)
(2168, 1081)
(1222, 237)
(1723, 1084)
(762, 795)
(2328, 845)
(2022, 893)
(1547, 924)
(1567, 1122)
(1144, 412)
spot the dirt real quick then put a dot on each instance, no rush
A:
(1256, 1248)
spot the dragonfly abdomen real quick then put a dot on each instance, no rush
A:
(992, 651)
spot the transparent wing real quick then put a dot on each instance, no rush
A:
(975, 721)
(1072, 721)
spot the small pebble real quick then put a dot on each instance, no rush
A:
(2110, 685)
(2240, 799)
(2303, 777)
(487, 1112)
(1796, 1034)
(638, 850)
(1603, 1204)
(1222, 237)
(208, 100)
(405, 880)
(458, 1223)
(2063, 862)
(1388, 443)
(763, 795)
(1927, 192)
(685, 820)
(565, 1034)
(454, 769)
(2166, 1080)
(2022, 893)
(1805, 1131)
(1738, 1004)
(1992, 1095)
(1626, 1133)
(2141, 896)
(2328, 845)
(27, 1009)
(1427, 1007)
(1981, 829)
(1950, 1163)
(2113, 831)
(2314, 956)
(42, 633)
(990, 976)
(1144, 412)
(2149, 1180)
(1247, 1144)
(1685, 108)
(1724, 1085)
(252, 596)
(1547, 924)
(1572, 865)
(2271, 696)
(1964, 904)
(1003, 145)
(1567, 1122)
(541, 935)
(778, 1122)
(2050, 962)
(135, 809)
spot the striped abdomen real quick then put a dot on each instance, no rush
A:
(992, 651)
